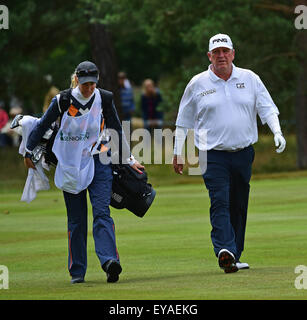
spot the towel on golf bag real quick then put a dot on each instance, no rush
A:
(36, 179)
(27, 124)
(130, 190)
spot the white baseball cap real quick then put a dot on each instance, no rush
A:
(220, 40)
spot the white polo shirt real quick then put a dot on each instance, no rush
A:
(223, 113)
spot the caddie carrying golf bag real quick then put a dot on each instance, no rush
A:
(130, 189)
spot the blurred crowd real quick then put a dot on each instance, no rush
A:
(150, 100)
(8, 137)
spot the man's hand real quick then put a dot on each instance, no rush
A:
(178, 164)
(28, 163)
(136, 166)
(280, 142)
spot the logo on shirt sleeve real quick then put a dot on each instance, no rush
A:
(240, 85)
(205, 93)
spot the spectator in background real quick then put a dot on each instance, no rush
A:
(150, 100)
(4, 118)
(10, 137)
(126, 94)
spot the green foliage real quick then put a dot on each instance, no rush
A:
(164, 40)
(41, 41)
(168, 41)
(262, 39)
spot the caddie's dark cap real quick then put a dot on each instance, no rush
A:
(87, 71)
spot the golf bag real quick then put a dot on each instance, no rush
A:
(130, 190)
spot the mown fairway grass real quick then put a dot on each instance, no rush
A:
(167, 254)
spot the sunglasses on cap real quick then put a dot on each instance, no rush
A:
(87, 73)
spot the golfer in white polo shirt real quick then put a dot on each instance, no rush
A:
(224, 101)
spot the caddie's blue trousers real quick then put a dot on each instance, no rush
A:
(227, 180)
(103, 226)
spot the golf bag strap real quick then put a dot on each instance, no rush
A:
(64, 101)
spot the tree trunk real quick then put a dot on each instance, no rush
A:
(104, 57)
(301, 100)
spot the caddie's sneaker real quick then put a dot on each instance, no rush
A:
(242, 265)
(113, 269)
(78, 279)
(227, 261)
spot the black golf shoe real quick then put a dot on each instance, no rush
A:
(113, 269)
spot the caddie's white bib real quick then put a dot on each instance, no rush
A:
(72, 147)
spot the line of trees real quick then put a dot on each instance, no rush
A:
(166, 40)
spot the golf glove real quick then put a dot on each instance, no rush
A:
(280, 142)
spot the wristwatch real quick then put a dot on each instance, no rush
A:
(28, 155)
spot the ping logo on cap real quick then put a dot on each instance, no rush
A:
(220, 40)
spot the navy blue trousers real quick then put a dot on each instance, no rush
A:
(227, 180)
(103, 226)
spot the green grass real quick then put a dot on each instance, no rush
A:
(167, 254)
(267, 164)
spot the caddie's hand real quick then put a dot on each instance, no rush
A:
(137, 166)
(280, 142)
(178, 164)
(28, 163)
